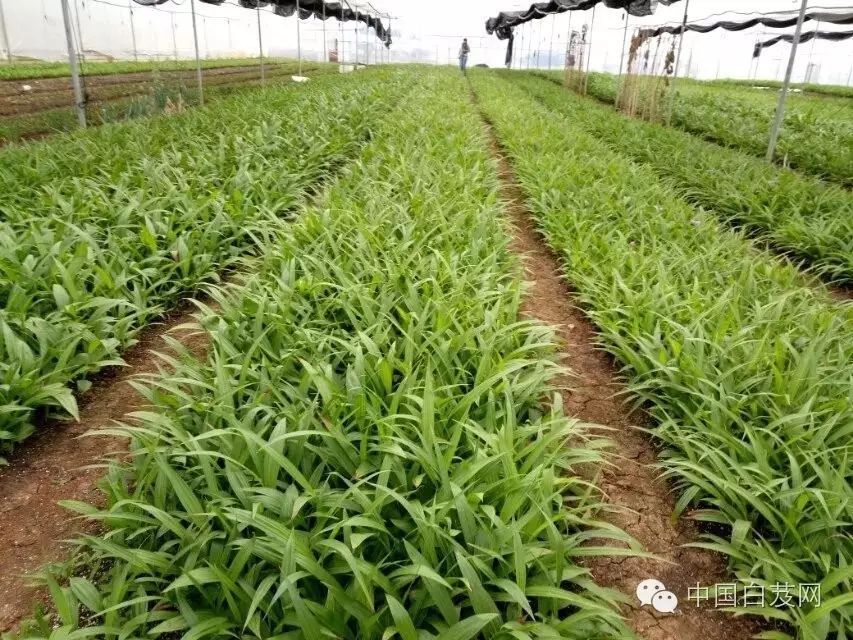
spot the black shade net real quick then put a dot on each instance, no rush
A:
(835, 17)
(835, 36)
(503, 24)
(307, 8)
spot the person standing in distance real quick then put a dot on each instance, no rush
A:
(464, 50)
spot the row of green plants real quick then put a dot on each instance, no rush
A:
(810, 220)
(100, 152)
(816, 136)
(35, 70)
(88, 258)
(835, 90)
(747, 372)
(366, 452)
(166, 95)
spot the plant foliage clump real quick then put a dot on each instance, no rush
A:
(102, 232)
(747, 371)
(364, 454)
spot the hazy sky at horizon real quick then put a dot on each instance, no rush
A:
(428, 31)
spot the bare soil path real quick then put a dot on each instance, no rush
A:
(56, 464)
(642, 503)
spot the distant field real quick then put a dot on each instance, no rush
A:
(26, 70)
(46, 107)
(825, 89)
(816, 138)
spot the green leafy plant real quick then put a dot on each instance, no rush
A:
(816, 136)
(810, 220)
(33, 70)
(365, 452)
(747, 371)
(89, 255)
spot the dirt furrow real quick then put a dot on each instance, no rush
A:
(642, 504)
(57, 464)
(98, 93)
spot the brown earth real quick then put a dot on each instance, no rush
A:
(642, 504)
(58, 464)
(50, 93)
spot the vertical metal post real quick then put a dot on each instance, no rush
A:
(677, 63)
(589, 51)
(808, 77)
(339, 45)
(356, 38)
(174, 37)
(521, 47)
(753, 65)
(5, 34)
(568, 52)
(79, 105)
(538, 52)
(299, 38)
(541, 43)
(783, 95)
(624, 45)
(551, 45)
(325, 48)
(199, 82)
(367, 40)
(680, 43)
(261, 43)
(133, 31)
(206, 38)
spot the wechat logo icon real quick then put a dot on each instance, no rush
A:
(654, 592)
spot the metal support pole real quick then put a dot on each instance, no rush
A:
(551, 46)
(340, 46)
(299, 38)
(81, 54)
(356, 38)
(808, 77)
(133, 31)
(325, 47)
(783, 95)
(521, 47)
(529, 44)
(5, 34)
(589, 51)
(8, 45)
(199, 82)
(624, 45)
(367, 40)
(206, 38)
(261, 43)
(568, 52)
(677, 62)
(174, 37)
(79, 104)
